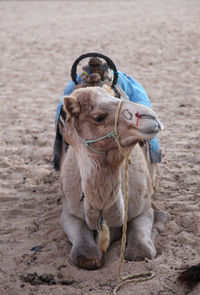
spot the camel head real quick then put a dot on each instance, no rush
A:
(91, 117)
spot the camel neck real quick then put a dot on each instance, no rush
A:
(102, 187)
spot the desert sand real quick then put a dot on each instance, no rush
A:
(156, 42)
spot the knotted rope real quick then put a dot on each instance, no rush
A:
(137, 277)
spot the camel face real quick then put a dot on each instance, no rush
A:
(91, 115)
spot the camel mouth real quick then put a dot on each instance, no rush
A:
(149, 129)
(147, 134)
(137, 137)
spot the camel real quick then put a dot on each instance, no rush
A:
(92, 175)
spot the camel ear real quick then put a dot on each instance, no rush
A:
(71, 105)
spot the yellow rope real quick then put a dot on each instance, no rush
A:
(117, 135)
(137, 277)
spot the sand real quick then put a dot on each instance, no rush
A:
(156, 42)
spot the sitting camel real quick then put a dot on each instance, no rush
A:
(92, 175)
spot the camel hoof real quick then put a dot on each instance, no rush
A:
(140, 252)
(86, 256)
(88, 263)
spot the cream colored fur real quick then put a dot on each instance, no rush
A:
(100, 177)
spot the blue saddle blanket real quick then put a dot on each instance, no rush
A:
(135, 93)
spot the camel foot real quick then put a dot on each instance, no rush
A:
(88, 263)
(142, 250)
(87, 257)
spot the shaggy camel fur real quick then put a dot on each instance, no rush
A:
(92, 175)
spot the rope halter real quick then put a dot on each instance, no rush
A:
(87, 142)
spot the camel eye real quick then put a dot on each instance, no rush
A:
(100, 118)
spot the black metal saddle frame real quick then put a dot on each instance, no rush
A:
(109, 62)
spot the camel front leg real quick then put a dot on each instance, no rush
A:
(139, 240)
(85, 252)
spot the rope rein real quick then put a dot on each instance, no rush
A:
(137, 277)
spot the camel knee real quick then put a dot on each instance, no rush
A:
(139, 241)
(140, 250)
(143, 224)
(85, 252)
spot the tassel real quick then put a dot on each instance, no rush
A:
(103, 237)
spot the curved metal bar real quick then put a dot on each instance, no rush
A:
(95, 54)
